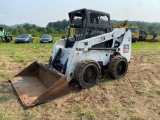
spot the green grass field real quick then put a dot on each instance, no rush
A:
(25, 53)
(134, 97)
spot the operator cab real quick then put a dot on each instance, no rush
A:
(87, 23)
(1, 29)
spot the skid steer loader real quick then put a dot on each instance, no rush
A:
(81, 57)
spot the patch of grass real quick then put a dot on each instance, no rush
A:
(118, 110)
(115, 112)
(151, 95)
(3, 64)
(83, 113)
(5, 75)
(139, 91)
(157, 90)
(6, 97)
(127, 101)
(4, 116)
(126, 113)
(28, 114)
(152, 81)
(145, 47)
(135, 117)
(24, 53)
(154, 107)
(144, 92)
(6, 88)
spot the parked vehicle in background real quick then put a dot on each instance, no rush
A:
(5, 36)
(153, 39)
(142, 35)
(24, 38)
(46, 38)
(137, 34)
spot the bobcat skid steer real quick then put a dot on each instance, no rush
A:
(80, 58)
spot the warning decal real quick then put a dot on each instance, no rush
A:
(125, 48)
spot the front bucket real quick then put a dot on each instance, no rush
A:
(37, 84)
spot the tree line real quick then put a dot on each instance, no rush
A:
(58, 28)
(149, 28)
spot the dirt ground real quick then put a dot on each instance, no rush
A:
(134, 97)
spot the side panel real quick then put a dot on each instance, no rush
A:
(125, 47)
(103, 56)
(64, 55)
(81, 49)
(59, 44)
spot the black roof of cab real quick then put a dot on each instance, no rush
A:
(88, 10)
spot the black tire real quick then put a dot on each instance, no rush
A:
(1, 40)
(117, 67)
(134, 40)
(8, 39)
(87, 73)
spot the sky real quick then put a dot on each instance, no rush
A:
(41, 12)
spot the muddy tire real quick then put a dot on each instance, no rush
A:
(117, 67)
(87, 73)
(8, 39)
(1, 40)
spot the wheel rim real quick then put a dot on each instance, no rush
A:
(121, 68)
(90, 75)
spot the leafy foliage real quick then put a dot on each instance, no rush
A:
(58, 28)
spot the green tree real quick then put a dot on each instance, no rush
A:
(34, 32)
(21, 30)
(152, 29)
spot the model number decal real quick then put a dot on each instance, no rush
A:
(125, 48)
(79, 49)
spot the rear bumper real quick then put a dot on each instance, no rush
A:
(21, 41)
